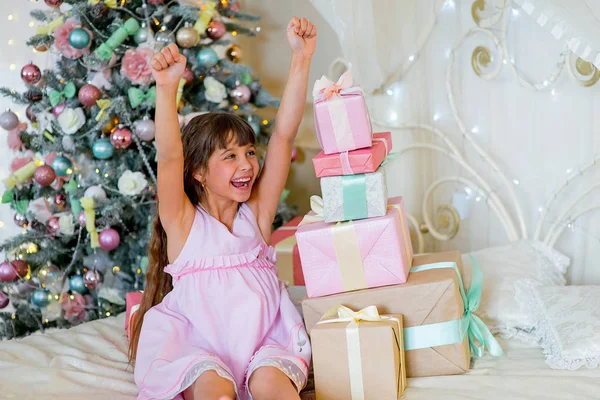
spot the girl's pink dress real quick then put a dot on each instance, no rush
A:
(227, 312)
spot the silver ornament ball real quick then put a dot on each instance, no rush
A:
(187, 37)
(9, 120)
(145, 129)
(141, 36)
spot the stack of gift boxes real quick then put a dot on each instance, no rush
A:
(375, 313)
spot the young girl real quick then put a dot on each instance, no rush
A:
(216, 323)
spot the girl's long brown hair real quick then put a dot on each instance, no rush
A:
(201, 137)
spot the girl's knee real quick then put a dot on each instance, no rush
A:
(271, 383)
(210, 386)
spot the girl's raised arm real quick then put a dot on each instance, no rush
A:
(174, 208)
(302, 37)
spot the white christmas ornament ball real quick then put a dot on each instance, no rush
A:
(95, 192)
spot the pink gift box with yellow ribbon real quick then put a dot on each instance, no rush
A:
(342, 119)
(346, 256)
(354, 162)
(132, 303)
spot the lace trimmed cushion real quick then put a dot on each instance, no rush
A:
(567, 322)
(501, 267)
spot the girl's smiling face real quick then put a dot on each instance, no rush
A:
(231, 172)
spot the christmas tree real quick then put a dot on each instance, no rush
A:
(83, 182)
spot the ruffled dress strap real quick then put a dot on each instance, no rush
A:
(210, 245)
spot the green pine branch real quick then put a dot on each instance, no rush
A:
(40, 40)
(231, 26)
(15, 241)
(188, 13)
(16, 97)
(71, 69)
(265, 99)
(39, 15)
(242, 16)
(51, 79)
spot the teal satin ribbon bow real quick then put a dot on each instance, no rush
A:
(137, 97)
(451, 332)
(57, 96)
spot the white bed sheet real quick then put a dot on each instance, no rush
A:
(90, 362)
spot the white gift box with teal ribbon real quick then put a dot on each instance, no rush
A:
(352, 197)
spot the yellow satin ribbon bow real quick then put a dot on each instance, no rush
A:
(103, 104)
(326, 87)
(343, 314)
(109, 3)
(205, 16)
(90, 220)
(21, 175)
(316, 205)
(50, 27)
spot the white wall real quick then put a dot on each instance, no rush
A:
(16, 27)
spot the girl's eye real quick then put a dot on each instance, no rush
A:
(229, 157)
(252, 153)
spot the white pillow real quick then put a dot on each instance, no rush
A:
(501, 267)
(567, 321)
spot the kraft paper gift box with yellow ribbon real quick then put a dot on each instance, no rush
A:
(289, 268)
(440, 329)
(360, 161)
(353, 197)
(345, 256)
(342, 120)
(358, 355)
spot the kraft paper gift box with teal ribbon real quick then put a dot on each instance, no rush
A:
(352, 197)
(358, 355)
(441, 330)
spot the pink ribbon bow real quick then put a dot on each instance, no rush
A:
(325, 87)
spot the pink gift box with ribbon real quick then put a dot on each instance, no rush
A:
(346, 256)
(132, 303)
(354, 162)
(342, 119)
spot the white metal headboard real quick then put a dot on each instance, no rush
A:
(510, 215)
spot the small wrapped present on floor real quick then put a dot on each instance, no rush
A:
(440, 329)
(340, 257)
(132, 303)
(342, 120)
(353, 162)
(353, 197)
(289, 266)
(358, 355)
